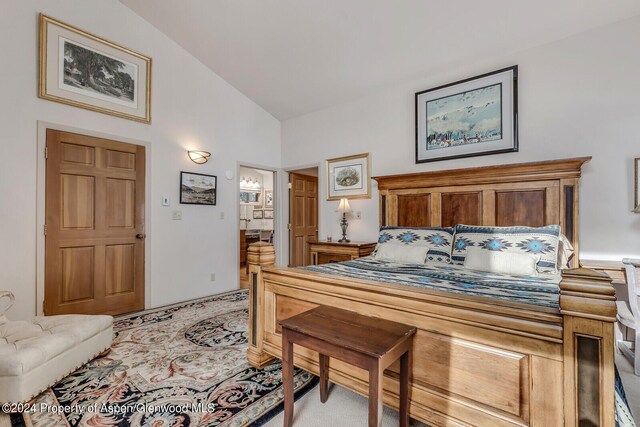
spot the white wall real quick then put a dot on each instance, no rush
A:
(577, 97)
(191, 107)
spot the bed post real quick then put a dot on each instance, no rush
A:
(588, 307)
(260, 255)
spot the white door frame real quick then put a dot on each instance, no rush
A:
(40, 204)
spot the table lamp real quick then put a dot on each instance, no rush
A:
(345, 209)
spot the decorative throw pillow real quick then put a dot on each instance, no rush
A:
(541, 241)
(516, 264)
(402, 254)
(438, 239)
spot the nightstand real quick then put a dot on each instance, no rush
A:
(323, 252)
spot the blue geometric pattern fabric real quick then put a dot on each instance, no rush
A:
(541, 290)
(542, 241)
(624, 418)
(437, 239)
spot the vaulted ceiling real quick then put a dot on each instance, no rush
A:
(293, 57)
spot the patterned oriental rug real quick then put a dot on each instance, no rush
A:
(181, 365)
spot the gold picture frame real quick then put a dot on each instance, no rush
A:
(636, 192)
(121, 87)
(355, 174)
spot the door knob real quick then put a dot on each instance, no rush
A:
(140, 236)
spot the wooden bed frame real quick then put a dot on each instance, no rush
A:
(476, 361)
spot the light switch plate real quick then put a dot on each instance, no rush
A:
(166, 201)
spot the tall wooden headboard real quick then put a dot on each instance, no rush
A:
(526, 194)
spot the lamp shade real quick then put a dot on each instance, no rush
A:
(344, 206)
(199, 157)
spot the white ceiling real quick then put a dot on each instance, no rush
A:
(296, 56)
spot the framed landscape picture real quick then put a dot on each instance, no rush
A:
(197, 189)
(84, 70)
(268, 214)
(349, 177)
(257, 214)
(472, 117)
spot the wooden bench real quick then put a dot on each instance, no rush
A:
(366, 342)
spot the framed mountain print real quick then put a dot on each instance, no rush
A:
(198, 189)
(471, 117)
(80, 69)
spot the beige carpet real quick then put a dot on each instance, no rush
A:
(343, 408)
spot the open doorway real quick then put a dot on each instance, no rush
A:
(303, 214)
(257, 212)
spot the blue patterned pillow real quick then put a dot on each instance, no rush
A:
(542, 241)
(437, 239)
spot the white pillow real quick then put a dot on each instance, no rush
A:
(516, 264)
(402, 254)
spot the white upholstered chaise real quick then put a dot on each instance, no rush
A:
(36, 354)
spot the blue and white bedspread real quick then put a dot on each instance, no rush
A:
(541, 290)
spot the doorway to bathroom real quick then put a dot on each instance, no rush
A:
(257, 212)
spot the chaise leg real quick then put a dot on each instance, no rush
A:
(619, 329)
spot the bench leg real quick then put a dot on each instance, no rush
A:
(287, 378)
(375, 394)
(324, 378)
(405, 380)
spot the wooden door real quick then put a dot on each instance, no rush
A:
(303, 217)
(94, 232)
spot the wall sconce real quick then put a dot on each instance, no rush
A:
(199, 157)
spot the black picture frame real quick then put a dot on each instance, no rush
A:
(202, 196)
(479, 78)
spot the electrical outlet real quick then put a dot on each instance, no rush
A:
(177, 215)
(221, 215)
(357, 214)
(213, 277)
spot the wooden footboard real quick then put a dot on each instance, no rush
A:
(475, 362)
